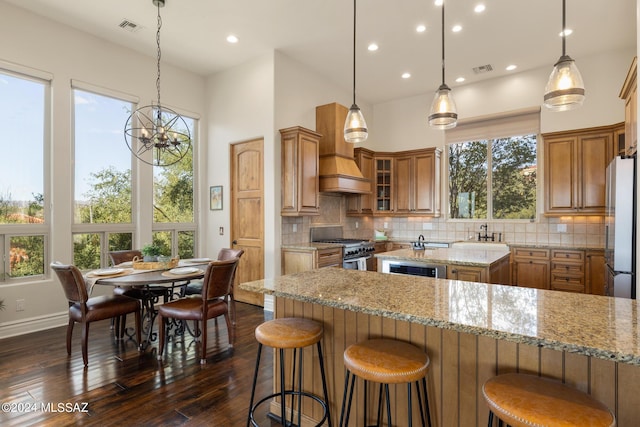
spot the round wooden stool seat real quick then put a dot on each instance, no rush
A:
(289, 332)
(386, 361)
(528, 400)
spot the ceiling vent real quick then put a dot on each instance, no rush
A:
(483, 69)
(132, 27)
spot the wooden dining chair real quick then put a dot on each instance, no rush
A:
(85, 310)
(223, 254)
(213, 302)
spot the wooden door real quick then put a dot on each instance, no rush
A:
(247, 214)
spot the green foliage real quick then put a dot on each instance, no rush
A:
(513, 178)
(108, 199)
(151, 250)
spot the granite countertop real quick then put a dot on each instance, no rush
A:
(602, 327)
(471, 257)
(311, 246)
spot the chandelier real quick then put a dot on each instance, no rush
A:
(157, 128)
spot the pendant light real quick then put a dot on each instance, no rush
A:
(355, 128)
(565, 89)
(443, 114)
(157, 128)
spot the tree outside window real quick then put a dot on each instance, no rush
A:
(493, 179)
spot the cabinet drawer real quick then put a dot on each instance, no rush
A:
(530, 253)
(327, 257)
(559, 267)
(567, 282)
(567, 255)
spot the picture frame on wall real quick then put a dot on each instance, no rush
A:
(215, 197)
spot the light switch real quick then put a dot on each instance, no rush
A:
(221, 231)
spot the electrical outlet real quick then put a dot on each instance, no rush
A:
(386, 225)
(357, 225)
(294, 227)
(427, 226)
(562, 228)
(19, 305)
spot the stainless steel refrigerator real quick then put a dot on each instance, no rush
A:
(620, 230)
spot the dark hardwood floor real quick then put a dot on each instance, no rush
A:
(122, 386)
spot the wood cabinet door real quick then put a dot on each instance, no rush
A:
(531, 273)
(561, 174)
(595, 269)
(593, 159)
(403, 188)
(300, 181)
(363, 203)
(426, 180)
(468, 274)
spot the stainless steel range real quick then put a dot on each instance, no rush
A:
(355, 252)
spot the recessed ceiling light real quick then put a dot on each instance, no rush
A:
(511, 67)
(406, 75)
(372, 47)
(479, 8)
(421, 28)
(439, 2)
(456, 28)
(232, 39)
(566, 32)
(460, 79)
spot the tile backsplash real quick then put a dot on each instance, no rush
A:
(579, 231)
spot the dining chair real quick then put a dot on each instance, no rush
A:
(223, 254)
(85, 310)
(212, 303)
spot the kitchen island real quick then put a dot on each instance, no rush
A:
(472, 331)
(474, 265)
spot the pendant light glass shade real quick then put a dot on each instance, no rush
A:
(443, 113)
(355, 128)
(565, 88)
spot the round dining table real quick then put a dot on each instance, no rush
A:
(152, 284)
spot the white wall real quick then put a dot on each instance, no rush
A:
(36, 42)
(403, 123)
(241, 103)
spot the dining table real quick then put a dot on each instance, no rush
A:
(153, 284)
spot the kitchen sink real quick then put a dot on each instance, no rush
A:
(485, 246)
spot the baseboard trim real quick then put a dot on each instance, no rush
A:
(33, 324)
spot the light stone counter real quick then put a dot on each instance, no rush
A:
(471, 257)
(312, 246)
(601, 327)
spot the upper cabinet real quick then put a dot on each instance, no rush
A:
(575, 167)
(629, 93)
(299, 171)
(404, 183)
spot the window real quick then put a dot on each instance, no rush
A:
(24, 118)
(493, 169)
(103, 182)
(173, 202)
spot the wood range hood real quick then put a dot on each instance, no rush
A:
(337, 169)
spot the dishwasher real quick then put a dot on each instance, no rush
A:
(412, 268)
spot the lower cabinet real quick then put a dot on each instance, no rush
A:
(530, 267)
(296, 260)
(466, 273)
(498, 272)
(572, 270)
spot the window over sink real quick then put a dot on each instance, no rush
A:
(493, 167)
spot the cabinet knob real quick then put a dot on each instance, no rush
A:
(454, 271)
(530, 262)
(566, 255)
(530, 253)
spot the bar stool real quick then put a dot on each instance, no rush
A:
(528, 400)
(290, 333)
(386, 361)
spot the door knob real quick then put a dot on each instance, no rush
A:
(235, 242)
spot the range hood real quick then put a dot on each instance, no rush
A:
(337, 168)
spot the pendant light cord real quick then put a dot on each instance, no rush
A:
(442, 42)
(564, 28)
(159, 55)
(354, 52)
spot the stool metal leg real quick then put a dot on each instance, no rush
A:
(324, 383)
(379, 417)
(386, 393)
(283, 413)
(253, 388)
(346, 401)
(409, 407)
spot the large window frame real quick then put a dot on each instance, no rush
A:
(41, 229)
(488, 130)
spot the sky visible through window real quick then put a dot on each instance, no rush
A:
(21, 167)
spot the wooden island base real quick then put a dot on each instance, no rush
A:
(460, 363)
